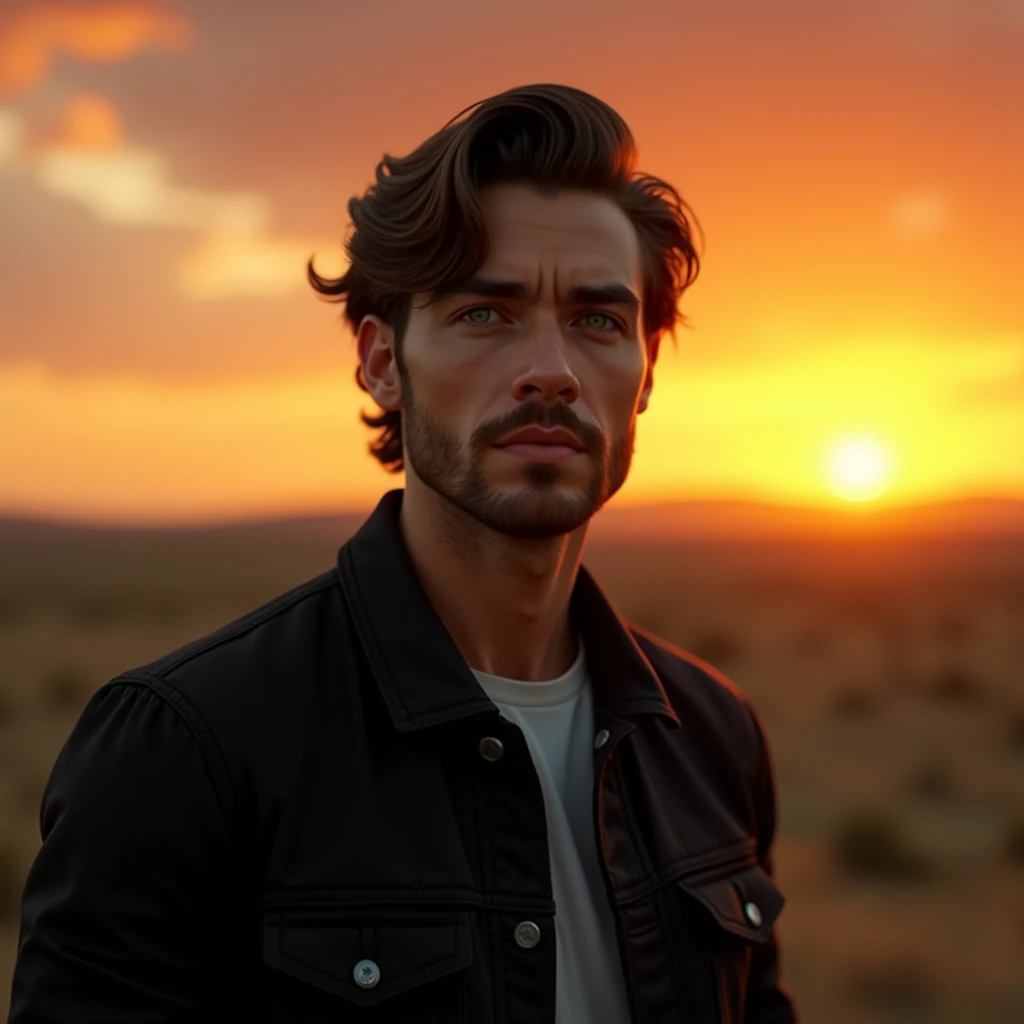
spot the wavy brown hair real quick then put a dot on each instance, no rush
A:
(420, 227)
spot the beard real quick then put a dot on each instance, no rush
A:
(543, 508)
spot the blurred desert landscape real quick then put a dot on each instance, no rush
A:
(885, 653)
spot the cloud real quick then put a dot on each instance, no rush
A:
(100, 33)
(129, 185)
(84, 159)
(87, 122)
(251, 264)
(236, 253)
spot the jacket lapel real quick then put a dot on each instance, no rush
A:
(422, 675)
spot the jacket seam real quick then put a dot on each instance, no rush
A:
(657, 895)
(450, 714)
(664, 918)
(367, 636)
(253, 620)
(700, 874)
(481, 814)
(645, 862)
(201, 733)
(443, 899)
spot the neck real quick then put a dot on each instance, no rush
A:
(504, 600)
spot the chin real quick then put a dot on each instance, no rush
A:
(536, 512)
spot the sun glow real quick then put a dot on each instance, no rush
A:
(858, 468)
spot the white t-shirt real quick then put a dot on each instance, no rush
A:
(557, 720)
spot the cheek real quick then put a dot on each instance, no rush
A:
(453, 393)
(463, 370)
(616, 388)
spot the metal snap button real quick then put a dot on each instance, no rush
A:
(753, 912)
(491, 748)
(601, 738)
(366, 973)
(527, 934)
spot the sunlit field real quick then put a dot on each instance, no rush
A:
(890, 676)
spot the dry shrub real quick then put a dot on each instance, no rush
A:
(814, 640)
(898, 983)
(854, 701)
(1013, 841)
(65, 689)
(957, 686)
(867, 843)
(932, 781)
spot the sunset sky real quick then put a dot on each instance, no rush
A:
(167, 168)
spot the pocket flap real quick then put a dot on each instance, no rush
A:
(745, 902)
(407, 951)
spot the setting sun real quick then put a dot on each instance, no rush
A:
(858, 468)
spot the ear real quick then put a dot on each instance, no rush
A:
(653, 344)
(379, 362)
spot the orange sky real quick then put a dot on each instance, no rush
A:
(166, 168)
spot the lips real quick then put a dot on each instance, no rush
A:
(559, 437)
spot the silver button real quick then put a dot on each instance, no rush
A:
(753, 912)
(491, 748)
(527, 934)
(601, 739)
(366, 973)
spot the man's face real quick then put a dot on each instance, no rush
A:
(478, 367)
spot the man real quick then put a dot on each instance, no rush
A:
(444, 781)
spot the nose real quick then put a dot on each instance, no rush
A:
(547, 373)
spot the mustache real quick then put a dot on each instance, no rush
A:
(547, 417)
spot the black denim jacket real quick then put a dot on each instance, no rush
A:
(291, 820)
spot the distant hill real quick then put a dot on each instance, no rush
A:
(14, 528)
(1001, 518)
(976, 518)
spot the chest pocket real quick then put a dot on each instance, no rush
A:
(742, 905)
(333, 965)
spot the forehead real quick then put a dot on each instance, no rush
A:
(572, 236)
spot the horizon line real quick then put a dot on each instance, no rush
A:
(860, 510)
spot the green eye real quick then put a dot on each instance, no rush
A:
(485, 310)
(602, 316)
(478, 316)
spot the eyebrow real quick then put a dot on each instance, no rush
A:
(611, 293)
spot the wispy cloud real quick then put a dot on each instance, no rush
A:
(101, 33)
(87, 122)
(128, 185)
(252, 263)
(86, 160)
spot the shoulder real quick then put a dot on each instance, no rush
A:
(701, 693)
(254, 661)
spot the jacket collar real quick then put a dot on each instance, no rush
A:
(421, 673)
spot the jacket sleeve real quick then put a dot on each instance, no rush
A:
(124, 906)
(768, 998)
